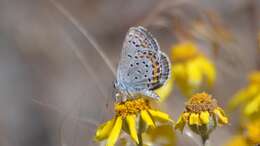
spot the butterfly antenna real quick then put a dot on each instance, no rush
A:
(85, 32)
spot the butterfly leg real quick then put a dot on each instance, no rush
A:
(151, 94)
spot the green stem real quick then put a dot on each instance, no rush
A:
(140, 139)
(204, 140)
(190, 134)
(139, 133)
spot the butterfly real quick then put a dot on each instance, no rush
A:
(142, 67)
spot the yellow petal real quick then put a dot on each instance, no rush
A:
(115, 132)
(186, 116)
(180, 74)
(147, 118)
(222, 119)
(183, 51)
(132, 127)
(180, 123)
(194, 119)
(160, 115)
(204, 117)
(208, 69)
(253, 106)
(244, 95)
(194, 73)
(253, 132)
(179, 71)
(165, 90)
(104, 130)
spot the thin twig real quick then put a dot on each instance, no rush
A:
(51, 107)
(159, 8)
(85, 32)
(80, 55)
(76, 126)
(254, 27)
(139, 133)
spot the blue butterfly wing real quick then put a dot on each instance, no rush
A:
(142, 67)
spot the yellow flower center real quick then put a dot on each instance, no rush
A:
(254, 77)
(201, 102)
(184, 52)
(133, 106)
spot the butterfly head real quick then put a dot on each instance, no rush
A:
(117, 92)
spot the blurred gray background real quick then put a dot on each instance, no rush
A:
(56, 58)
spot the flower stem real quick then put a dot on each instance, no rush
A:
(139, 133)
(192, 137)
(205, 140)
(140, 139)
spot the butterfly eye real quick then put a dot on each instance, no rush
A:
(117, 95)
(115, 84)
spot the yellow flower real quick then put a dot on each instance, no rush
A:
(191, 68)
(202, 115)
(237, 140)
(248, 97)
(130, 115)
(250, 136)
(162, 135)
(253, 132)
